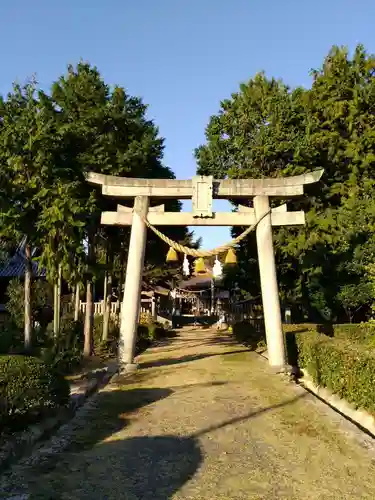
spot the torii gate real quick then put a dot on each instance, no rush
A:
(202, 190)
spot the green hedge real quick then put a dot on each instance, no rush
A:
(143, 339)
(250, 333)
(28, 387)
(113, 329)
(11, 337)
(338, 357)
(345, 367)
(156, 331)
(147, 334)
(63, 353)
(362, 333)
(109, 347)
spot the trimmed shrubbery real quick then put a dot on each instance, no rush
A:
(34, 383)
(41, 302)
(109, 346)
(28, 387)
(250, 333)
(11, 338)
(344, 363)
(143, 339)
(65, 352)
(362, 333)
(145, 318)
(156, 331)
(147, 333)
(338, 357)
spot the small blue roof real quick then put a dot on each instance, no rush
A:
(14, 267)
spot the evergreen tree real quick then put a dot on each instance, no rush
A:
(25, 157)
(267, 129)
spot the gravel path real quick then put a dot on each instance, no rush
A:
(203, 419)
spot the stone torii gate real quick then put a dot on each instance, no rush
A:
(202, 190)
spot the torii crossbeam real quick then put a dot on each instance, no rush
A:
(202, 190)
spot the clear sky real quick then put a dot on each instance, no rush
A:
(181, 56)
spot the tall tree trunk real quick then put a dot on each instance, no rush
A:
(107, 295)
(121, 282)
(105, 284)
(28, 281)
(72, 299)
(57, 304)
(59, 277)
(77, 303)
(89, 319)
(89, 313)
(55, 310)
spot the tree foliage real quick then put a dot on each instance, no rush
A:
(268, 129)
(48, 143)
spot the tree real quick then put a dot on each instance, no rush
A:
(267, 129)
(106, 131)
(24, 159)
(40, 306)
(48, 143)
(352, 297)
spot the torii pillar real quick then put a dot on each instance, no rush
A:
(268, 283)
(202, 190)
(133, 283)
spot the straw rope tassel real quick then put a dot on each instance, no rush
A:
(231, 257)
(199, 266)
(172, 255)
(204, 253)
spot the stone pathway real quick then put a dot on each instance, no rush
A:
(203, 419)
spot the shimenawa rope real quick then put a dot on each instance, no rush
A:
(204, 253)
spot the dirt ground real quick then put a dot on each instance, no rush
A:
(202, 419)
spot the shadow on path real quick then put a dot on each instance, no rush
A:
(187, 359)
(141, 467)
(89, 466)
(145, 467)
(247, 416)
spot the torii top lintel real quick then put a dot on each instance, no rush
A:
(128, 187)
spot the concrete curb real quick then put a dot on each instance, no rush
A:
(364, 420)
(23, 442)
(359, 417)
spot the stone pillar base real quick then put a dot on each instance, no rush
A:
(221, 326)
(279, 370)
(128, 368)
(287, 371)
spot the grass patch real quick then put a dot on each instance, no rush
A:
(236, 357)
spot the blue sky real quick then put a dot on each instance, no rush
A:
(181, 57)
